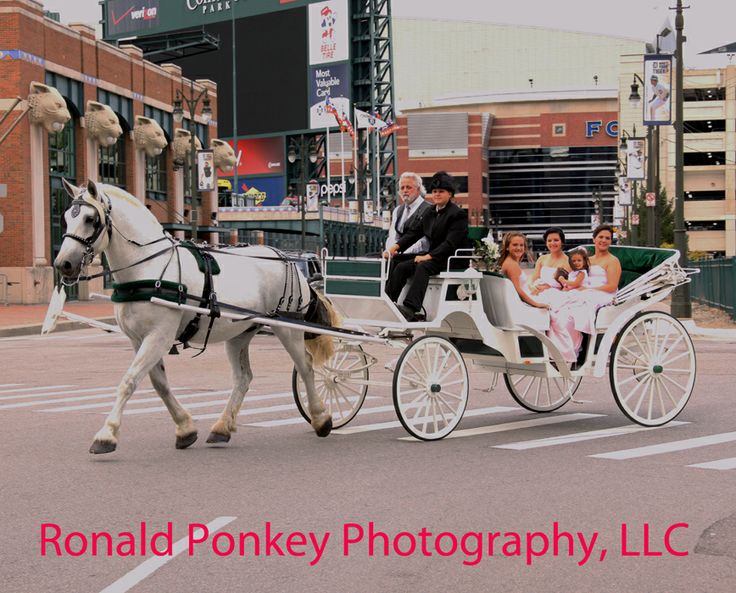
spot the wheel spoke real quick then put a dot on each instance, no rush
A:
(448, 373)
(646, 383)
(633, 366)
(669, 394)
(669, 361)
(633, 377)
(633, 391)
(672, 348)
(666, 338)
(673, 382)
(631, 353)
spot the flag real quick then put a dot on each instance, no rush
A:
(330, 107)
(364, 119)
(346, 125)
(391, 127)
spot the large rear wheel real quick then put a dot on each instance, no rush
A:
(652, 368)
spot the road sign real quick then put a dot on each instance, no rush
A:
(651, 199)
(635, 220)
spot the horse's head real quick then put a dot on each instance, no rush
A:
(88, 229)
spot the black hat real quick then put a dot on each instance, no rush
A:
(442, 180)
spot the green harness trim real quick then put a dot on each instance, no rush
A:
(194, 250)
(145, 290)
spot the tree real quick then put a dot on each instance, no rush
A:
(663, 215)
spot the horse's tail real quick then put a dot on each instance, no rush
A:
(321, 347)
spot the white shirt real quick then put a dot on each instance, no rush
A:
(420, 246)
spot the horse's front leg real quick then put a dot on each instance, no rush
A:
(186, 432)
(152, 348)
(293, 342)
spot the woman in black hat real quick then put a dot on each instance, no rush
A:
(446, 228)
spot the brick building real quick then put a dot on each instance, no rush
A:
(35, 48)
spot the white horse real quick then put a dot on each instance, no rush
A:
(104, 218)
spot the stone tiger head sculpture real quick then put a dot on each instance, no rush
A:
(224, 155)
(102, 124)
(182, 145)
(148, 136)
(47, 107)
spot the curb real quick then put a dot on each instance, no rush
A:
(62, 326)
(723, 335)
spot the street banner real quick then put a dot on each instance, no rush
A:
(328, 32)
(657, 90)
(364, 120)
(635, 158)
(390, 128)
(624, 192)
(205, 170)
(333, 82)
(651, 199)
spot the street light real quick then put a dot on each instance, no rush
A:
(633, 228)
(299, 148)
(178, 114)
(358, 178)
(652, 158)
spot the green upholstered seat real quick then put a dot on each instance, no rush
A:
(636, 261)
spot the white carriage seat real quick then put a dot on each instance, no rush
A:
(505, 309)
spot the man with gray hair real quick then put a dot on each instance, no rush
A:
(408, 215)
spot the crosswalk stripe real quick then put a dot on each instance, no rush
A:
(516, 425)
(11, 384)
(31, 389)
(713, 439)
(45, 402)
(217, 402)
(266, 410)
(721, 464)
(300, 420)
(581, 436)
(396, 423)
(28, 396)
(131, 402)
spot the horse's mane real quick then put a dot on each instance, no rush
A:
(132, 208)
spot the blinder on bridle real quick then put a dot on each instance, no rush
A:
(102, 224)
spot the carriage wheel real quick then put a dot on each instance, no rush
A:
(540, 394)
(341, 382)
(652, 368)
(430, 388)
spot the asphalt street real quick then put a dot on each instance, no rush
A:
(486, 510)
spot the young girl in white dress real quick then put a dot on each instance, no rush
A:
(580, 266)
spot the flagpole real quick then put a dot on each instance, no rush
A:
(342, 164)
(327, 154)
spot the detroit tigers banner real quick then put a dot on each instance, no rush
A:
(657, 90)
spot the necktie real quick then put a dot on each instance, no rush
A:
(404, 217)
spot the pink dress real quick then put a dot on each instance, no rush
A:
(552, 296)
(577, 316)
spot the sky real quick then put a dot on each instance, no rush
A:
(708, 23)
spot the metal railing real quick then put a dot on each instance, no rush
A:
(715, 286)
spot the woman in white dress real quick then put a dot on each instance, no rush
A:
(513, 250)
(577, 317)
(543, 286)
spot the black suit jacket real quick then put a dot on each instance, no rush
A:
(414, 223)
(447, 230)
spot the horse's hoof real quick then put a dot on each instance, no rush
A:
(186, 441)
(325, 429)
(100, 447)
(216, 437)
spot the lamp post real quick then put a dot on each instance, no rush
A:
(178, 114)
(681, 306)
(360, 178)
(301, 148)
(634, 100)
(634, 228)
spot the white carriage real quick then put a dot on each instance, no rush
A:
(479, 317)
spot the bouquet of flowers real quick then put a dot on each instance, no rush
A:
(487, 253)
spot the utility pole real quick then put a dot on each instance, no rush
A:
(651, 184)
(681, 306)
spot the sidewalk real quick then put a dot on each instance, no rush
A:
(24, 320)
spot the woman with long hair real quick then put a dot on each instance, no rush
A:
(513, 250)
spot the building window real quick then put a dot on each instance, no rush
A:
(112, 163)
(156, 177)
(705, 126)
(696, 196)
(710, 94)
(62, 160)
(558, 129)
(704, 159)
(706, 225)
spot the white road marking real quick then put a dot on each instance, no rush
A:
(300, 420)
(713, 439)
(44, 402)
(147, 568)
(396, 423)
(29, 389)
(12, 384)
(720, 464)
(582, 436)
(52, 393)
